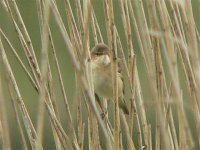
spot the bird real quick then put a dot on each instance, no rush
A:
(102, 76)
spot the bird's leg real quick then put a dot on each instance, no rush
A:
(99, 101)
(100, 105)
(105, 108)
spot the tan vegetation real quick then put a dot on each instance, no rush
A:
(168, 40)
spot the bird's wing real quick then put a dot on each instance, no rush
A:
(120, 65)
(122, 103)
(123, 106)
(120, 68)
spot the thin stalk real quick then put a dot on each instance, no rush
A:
(44, 72)
(14, 104)
(26, 118)
(113, 49)
(5, 137)
(89, 96)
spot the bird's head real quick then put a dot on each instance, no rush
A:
(100, 54)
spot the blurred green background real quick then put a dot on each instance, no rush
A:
(28, 11)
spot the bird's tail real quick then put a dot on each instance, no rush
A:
(123, 106)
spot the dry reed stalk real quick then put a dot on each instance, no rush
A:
(113, 48)
(77, 44)
(79, 110)
(81, 124)
(35, 68)
(149, 61)
(72, 133)
(187, 67)
(99, 39)
(96, 26)
(128, 133)
(159, 71)
(149, 138)
(132, 69)
(138, 88)
(4, 131)
(194, 59)
(183, 119)
(186, 60)
(186, 55)
(127, 29)
(40, 121)
(11, 91)
(1, 132)
(82, 50)
(79, 14)
(178, 98)
(4, 5)
(19, 60)
(19, 123)
(171, 122)
(161, 81)
(26, 118)
(30, 51)
(44, 72)
(171, 33)
(50, 87)
(146, 131)
(192, 44)
(168, 31)
(76, 40)
(94, 133)
(133, 108)
(25, 46)
(71, 126)
(86, 89)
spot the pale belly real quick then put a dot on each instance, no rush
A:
(103, 84)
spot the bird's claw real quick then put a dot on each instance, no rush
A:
(103, 114)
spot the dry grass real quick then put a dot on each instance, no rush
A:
(168, 40)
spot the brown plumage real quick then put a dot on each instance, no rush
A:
(102, 75)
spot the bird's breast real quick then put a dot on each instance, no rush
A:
(102, 78)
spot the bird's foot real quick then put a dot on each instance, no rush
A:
(104, 114)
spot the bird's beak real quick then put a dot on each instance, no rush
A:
(101, 60)
(106, 59)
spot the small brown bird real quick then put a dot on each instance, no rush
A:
(102, 76)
